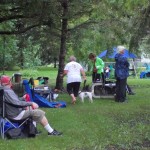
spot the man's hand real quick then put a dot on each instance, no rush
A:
(84, 77)
(35, 106)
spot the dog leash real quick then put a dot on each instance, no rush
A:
(84, 84)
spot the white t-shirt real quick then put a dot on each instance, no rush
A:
(74, 72)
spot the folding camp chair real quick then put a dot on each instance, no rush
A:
(40, 90)
(4, 119)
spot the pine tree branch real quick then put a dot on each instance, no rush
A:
(19, 31)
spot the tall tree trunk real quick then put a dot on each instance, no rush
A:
(4, 46)
(55, 61)
(21, 58)
(59, 80)
(21, 45)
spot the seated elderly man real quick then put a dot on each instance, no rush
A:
(16, 109)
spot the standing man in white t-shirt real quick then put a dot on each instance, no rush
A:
(73, 70)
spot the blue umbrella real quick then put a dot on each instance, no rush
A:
(126, 54)
(103, 54)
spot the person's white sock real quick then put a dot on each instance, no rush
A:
(34, 123)
(49, 128)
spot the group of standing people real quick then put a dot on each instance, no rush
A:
(18, 110)
(74, 70)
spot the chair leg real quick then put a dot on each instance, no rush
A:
(3, 131)
(2, 123)
(12, 125)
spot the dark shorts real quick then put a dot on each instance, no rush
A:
(73, 88)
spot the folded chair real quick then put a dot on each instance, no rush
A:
(3, 118)
(40, 100)
(42, 82)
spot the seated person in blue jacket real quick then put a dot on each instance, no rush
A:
(16, 109)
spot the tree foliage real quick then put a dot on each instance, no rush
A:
(46, 31)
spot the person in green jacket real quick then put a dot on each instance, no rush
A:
(98, 68)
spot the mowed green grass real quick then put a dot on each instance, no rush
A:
(101, 125)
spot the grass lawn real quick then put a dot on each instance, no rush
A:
(101, 125)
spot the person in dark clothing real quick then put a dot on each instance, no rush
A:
(129, 90)
(121, 74)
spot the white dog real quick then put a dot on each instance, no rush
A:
(85, 94)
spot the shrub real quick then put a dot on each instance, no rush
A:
(15, 68)
(88, 73)
(30, 73)
(46, 68)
